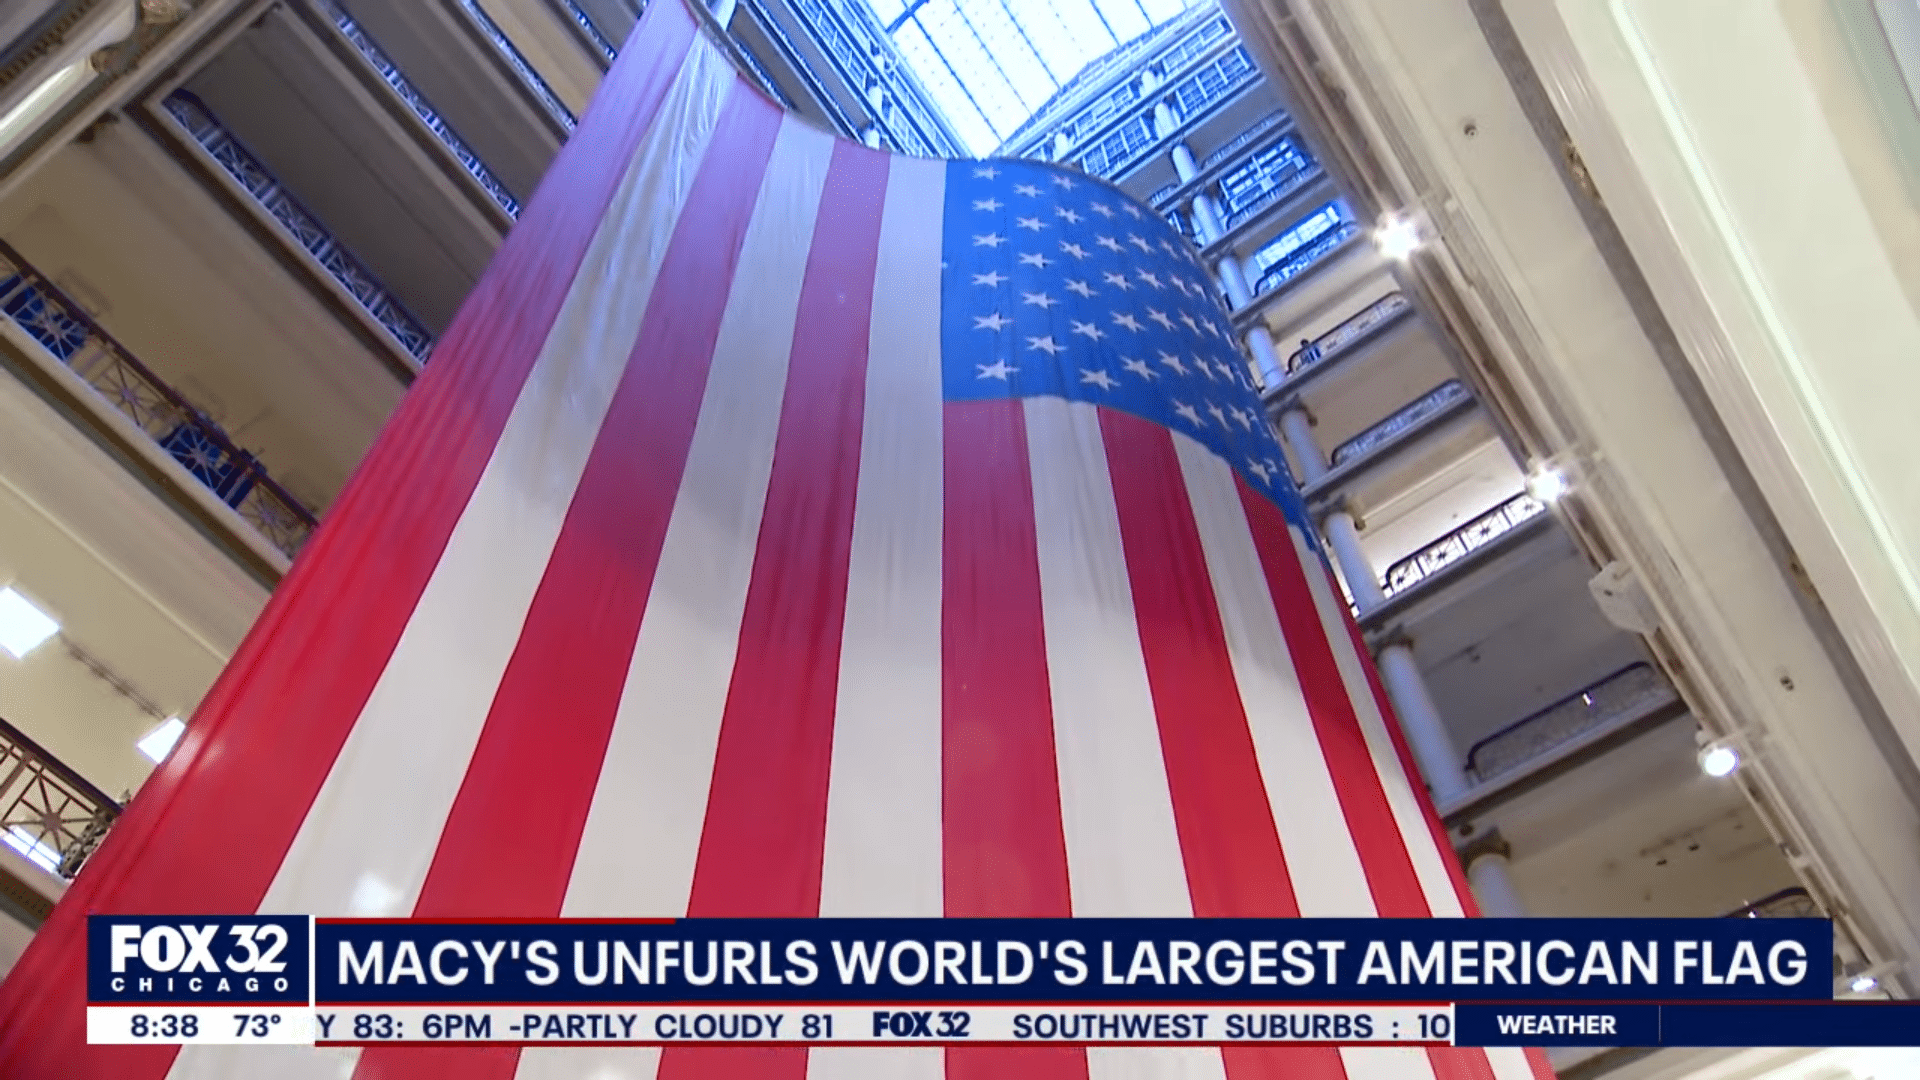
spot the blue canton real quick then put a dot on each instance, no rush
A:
(1056, 284)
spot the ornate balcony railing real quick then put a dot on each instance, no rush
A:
(1266, 195)
(48, 812)
(300, 224)
(1629, 691)
(1349, 333)
(1403, 419)
(1306, 256)
(1232, 145)
(1789, 903)
(369, 50)
(1457, 544)
(1212, 83)
(504, 45)
(590, 29)
(65, 330)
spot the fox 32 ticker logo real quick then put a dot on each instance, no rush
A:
(253, 959)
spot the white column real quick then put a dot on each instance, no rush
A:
(723, 10)
(1488, 871)
(1420, 719)
(1234, 280)
(1296, 426)
(1184, 166)
(1260, 343)
(1164, 122)
(1343, 536)
(1206, 215)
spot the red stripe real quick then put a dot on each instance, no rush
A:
(1004, 850)
(1234, 857)
(209, 830)
(534, 771)
(1384, 852)
(765, 833)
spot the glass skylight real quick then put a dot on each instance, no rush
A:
(989, 64)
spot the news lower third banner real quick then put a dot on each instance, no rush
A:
(1345, 982)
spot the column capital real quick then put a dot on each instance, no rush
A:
(1489, 843)
(1292, 403)
(1342, 503)
(1391, 636)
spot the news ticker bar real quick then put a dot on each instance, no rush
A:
(1716, 1024)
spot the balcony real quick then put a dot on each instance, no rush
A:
(1628, 692)
(1347, 337)
(48, 812)
(67, 336)
(1305, 257)
(1476, 535)
(1406, 418)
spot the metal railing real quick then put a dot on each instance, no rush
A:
(1462, 541)
(64, 329)
(1403, 419)
(1306, 256)
(1261, 198)
(530, 78)
(1628, 691)
(1260, 127)
(591, 29)
(301, 225)
(1350, 332)
(48, 812)
(1193, 96)
(1789, 903)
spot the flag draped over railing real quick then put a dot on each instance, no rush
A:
(787, 528)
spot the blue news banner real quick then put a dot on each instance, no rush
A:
(1347, 982)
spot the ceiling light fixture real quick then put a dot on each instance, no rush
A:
(1864, 984)
(1719, 761)
(1546, 484)
(23, 626)
(1397, 237)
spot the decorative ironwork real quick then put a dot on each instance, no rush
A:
(48, 812)
(1260, 127)
(1349, 333)
(1266, 195)
(1630, 691)
(1404, 419)
(1789, 903)
(1308, 254)
(210, 135)
(1124, 144)
(1457, 544)
(369, 51)
(592, 29)
(65, 330)
(503, 45)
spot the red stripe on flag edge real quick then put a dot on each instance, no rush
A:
(763, 843)
(531, 781)
(1003, 844)
(182, 844)
(1235, 858)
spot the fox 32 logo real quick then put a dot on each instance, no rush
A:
(197, 958)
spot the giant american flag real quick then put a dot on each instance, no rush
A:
(788, 528)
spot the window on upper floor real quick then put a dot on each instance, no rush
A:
(989, 64)
(1302, 234)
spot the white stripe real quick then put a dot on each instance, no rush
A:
(883, 850)
(642, 837)
(367, 841)
(1116, 807)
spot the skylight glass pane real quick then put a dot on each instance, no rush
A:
(988, 64)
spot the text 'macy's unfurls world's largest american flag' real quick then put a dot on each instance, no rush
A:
(789, 528)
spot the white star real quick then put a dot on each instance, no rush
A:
(1219, 414)
(1226, 371)
(1261, 470)
(1126, 319)
(1035, 259)
(1177, 283)
(1102, 209)
(1205, 368)
(1172, 361)
(1033, 223)
(1074, 250)
(1064, 182)
(986, 172)
(991, 240)
(1038, 299)
(1245, 417)
(1098, 378)
(1087, 330)
(1026, 189)
(991, 322)
(1075, 285)
(996, 370)
(1132, 211)
(1139, 367)
(1160, 317)
(993, 277)
(1147, 277)
(1134, 239)
(1119, 280)
(1168, 248)
(987, 204)
(1046, 345)
(1188, 319)
(1067, 212)
(1188, 412)
(1109, 243)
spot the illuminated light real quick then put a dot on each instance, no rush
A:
(1397, 238)
(22, 625)
(1546, 485)
(1864, 984)
(159, 742)
(1720, 761)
